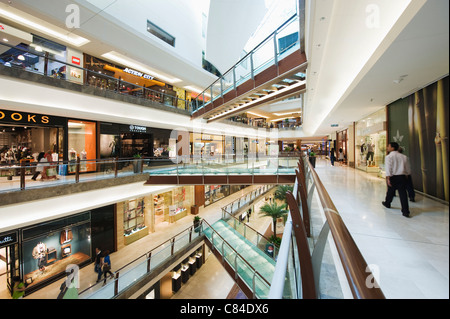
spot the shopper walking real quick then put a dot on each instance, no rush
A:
(332, 156)
(40, 166)
(106, 267)
(98, 264)
(409, 183)
(341, 156)
(397, 169)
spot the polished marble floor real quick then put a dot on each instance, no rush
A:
(411, 255)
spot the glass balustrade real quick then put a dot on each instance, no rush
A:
(275, 47)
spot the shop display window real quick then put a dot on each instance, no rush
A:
(47, 250)
(83, 144)
(172, 206)
(370, 146)
(133, 216)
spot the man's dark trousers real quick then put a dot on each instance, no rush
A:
(398, 182)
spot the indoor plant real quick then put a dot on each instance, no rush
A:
(197, 220)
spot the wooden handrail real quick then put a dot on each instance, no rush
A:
(304, 254)
(354, 264)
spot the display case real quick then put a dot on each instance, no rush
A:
(184, 272)
(176, 280)
(134, 227)
(192, 265)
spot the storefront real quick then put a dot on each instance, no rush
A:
(214, 193)
(40, 254)
(342, 144)
(370, 144)
(39, 55)
(125, 141)
(173, 205)
(82, 144)
(24, 135)
(108, 76)
(207, 145)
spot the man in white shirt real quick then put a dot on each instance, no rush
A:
(397, 169)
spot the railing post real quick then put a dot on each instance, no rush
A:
(116, 166)
(77, 171)
(252, 71)
(22, 176)
(116, 284)
(275, 46)
(172, 248)
(149, 259)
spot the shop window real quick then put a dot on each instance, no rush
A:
(134, 227)
(82, 144)
(48, 249)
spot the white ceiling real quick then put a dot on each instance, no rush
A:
(356, 50)
(352, 67)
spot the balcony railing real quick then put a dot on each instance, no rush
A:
(18, 176)
(301, 256)
(108, 83)
(264, 55)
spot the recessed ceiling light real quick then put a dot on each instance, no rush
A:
(5, 40)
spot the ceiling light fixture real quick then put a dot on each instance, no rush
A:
(258, 115)
(270, 96)
(70, 38)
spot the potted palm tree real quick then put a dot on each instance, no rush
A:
(312, 158)
(281, 191)
(197, 220)
(274, 211)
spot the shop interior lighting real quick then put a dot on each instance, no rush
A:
(117, 57)
(69, 38)
(266, 97)
(258, 115)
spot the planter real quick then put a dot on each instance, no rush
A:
(137, 163)
(197, 223)
(312, 160)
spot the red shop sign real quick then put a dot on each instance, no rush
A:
(76, 60)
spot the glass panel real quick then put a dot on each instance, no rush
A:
(243, 70)
(263, 56)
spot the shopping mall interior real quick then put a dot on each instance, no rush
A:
(225, 150)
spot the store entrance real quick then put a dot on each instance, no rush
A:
(136, 143)
(20, 142)
(9, 268)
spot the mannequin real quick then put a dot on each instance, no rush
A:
(370, 152)
(39, 253)
(83, 158)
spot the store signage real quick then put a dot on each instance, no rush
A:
(2, 27)
(76, 60)
(206, 137)
(137, 128)
(29, 118)
(139, 74)
(8, 239)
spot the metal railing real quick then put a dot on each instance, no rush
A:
(127, 275)
(298, 265)
(87, 77)
(17, 177)
(264, 55)
(243, 270)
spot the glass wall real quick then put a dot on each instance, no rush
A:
(370, 145)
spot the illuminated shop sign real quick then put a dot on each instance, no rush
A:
(139, 74)
(137, 128)
(13, 117)
(8, 239)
